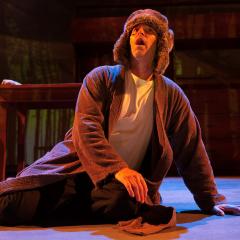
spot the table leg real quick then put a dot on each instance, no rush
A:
(3, 142)
(22, 124)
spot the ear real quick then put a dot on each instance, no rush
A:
(170, 40)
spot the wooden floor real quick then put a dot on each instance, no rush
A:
(191, 224)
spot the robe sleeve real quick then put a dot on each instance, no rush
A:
(97, 156)
(190, 155)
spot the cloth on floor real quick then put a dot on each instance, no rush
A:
(139, 227)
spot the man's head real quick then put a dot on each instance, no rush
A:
(155, 21)
(143, 44)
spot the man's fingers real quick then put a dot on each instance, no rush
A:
(230, 209)
(136, 189)
(129, 188)
(140, 189)
(144, 187)
(134, 183)
(218, 211)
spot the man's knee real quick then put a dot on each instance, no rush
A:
(112, 202)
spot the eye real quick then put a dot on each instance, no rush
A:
(134, 31)
(149, 30)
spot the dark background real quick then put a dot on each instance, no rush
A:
(60, 41)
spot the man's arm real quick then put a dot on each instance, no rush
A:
(192, 160)
(97, 156)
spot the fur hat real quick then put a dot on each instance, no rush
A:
(159, 23)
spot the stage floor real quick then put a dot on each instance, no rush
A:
(191, 224)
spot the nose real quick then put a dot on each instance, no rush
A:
(141, 31)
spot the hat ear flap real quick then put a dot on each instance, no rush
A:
(121, 50)
(170, 40)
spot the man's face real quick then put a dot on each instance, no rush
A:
(143, 41)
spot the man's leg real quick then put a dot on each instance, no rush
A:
(66, 204)
(111, 203)
(51, 197)
(18, 207)
(30, 206)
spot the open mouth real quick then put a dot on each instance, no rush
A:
(140, 42)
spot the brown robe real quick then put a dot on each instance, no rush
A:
(176, 136)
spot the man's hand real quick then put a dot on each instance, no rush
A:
(10, 82)
(134, 183)
(223, 209)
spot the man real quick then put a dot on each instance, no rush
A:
(130, 123)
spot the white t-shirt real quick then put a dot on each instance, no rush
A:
(131, 133)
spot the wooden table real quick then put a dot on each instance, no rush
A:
(20, 99)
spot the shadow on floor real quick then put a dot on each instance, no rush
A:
(191, 216)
